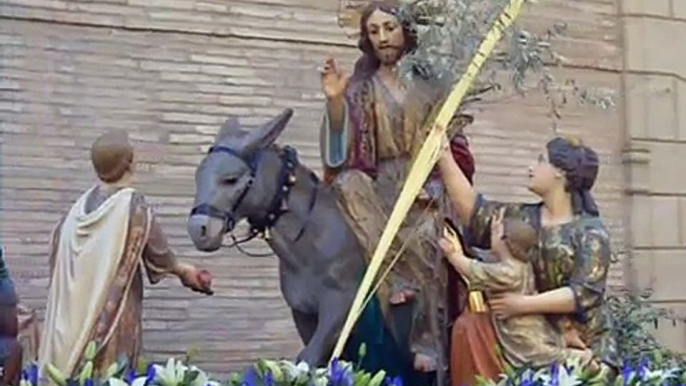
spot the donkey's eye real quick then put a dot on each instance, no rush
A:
(229, 180)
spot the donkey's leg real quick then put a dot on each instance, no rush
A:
(306, 324)
(333, 311)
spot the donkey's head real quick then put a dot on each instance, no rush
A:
(232, 182)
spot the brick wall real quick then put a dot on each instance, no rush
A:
(170, 72)
(655, 89)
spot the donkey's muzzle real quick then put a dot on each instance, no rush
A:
(208, 210)
(207, 227)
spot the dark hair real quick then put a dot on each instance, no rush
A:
(580, 165)
(369, 63)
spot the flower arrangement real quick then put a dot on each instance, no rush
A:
(572, 374)
(176, 373)
(340, 373)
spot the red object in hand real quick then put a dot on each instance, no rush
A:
(459, 147)
(205, 280)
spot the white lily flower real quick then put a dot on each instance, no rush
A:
(140, 381)
(290, 369)
(299, 373)
(320, 381)
(567, 378)
(303, 367)
(202, 379)
(669, 374)
(171, 374)
(117, 382)
(662, 375)
(180, 371)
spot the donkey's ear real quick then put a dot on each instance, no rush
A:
(231, 127)
(266, 135)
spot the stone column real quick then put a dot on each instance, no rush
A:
(654, 83)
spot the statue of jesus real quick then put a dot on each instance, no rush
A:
(373, 125)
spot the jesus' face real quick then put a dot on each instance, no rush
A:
(387, 37)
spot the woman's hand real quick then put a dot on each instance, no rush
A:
(446, 154)
(507, 305)
(459, 189)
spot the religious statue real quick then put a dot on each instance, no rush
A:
(524, 339)
(373, 125)
(97, 252)
(10, 348)
(570, 259)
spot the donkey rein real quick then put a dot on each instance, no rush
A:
(237, 243)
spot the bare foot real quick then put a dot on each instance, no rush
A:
(401, 297)
(424, 363)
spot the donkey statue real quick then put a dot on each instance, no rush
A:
(245, 176)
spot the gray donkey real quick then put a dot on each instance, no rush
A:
(246, 176)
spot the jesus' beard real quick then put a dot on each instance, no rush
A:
(389, 56)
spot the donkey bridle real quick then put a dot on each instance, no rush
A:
(275, 209)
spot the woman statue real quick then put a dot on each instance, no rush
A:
(570, 263)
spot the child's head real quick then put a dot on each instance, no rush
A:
(520, 238)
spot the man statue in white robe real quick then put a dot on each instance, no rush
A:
(97, 253)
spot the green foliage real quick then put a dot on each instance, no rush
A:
(634, 318)
(450, 32)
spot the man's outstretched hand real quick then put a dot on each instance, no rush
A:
(197, 280)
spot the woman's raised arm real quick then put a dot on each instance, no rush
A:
(461, 193)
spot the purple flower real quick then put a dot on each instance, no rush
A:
(149, 374)
(30, 374)
(642, 369)
(130, 376)
(626, 372)
(249, 378)
(555, 375)
(529, 380)
(339, 375)
(269, 379)
(396, 381)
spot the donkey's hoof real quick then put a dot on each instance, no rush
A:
(312, 360)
